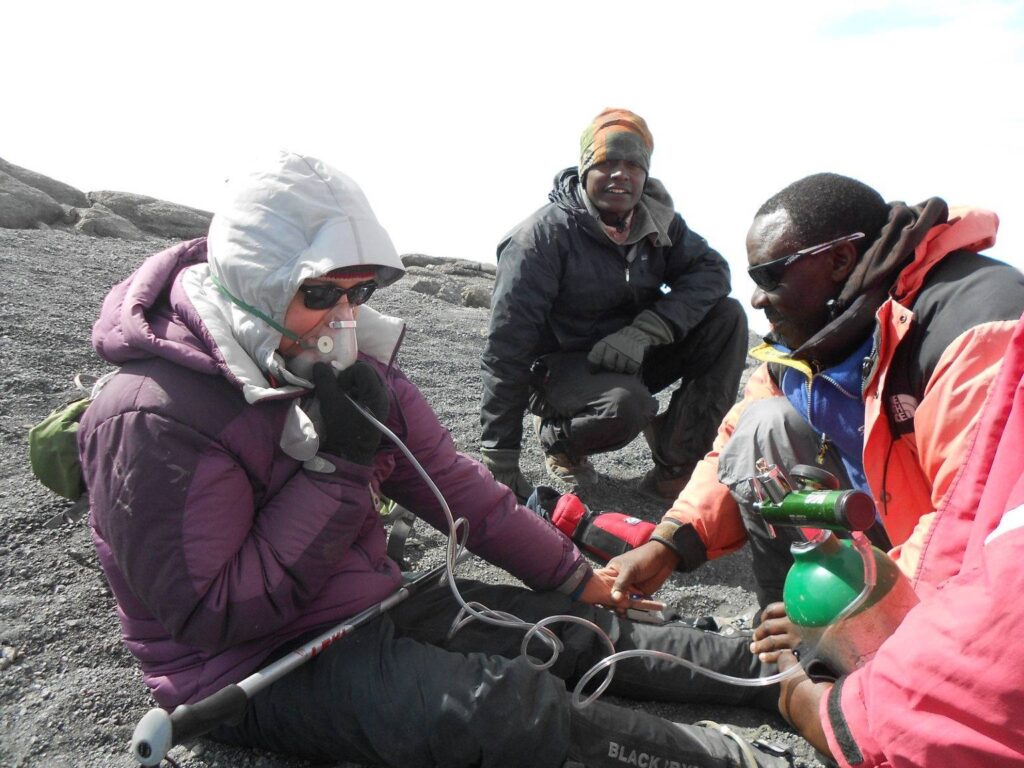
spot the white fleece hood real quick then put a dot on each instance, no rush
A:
(295, 220)
(299, 218)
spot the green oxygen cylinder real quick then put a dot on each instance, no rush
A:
(841, 623)
(827, 576)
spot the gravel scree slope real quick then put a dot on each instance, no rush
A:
(70, 694)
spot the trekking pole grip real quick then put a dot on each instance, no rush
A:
(158, 731)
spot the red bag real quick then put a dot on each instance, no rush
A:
(605, 534)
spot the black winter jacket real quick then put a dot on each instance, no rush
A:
(562, 284)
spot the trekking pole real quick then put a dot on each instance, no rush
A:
(159, 730)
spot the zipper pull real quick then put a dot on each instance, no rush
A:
(822, 449)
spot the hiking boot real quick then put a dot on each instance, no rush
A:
(580, 472)
(664, 483)
(727, 626)
(742, 623)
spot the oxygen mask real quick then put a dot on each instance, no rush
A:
(332, 341)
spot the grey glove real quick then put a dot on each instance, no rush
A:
(503, 463)
(624, 350)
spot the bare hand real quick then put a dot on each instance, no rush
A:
(640, 571)
(775, 634)
(799, 702)
(599, 591)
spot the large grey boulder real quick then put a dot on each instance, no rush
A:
(477, 296)
(449, 266)
(30, 200)
(156, 217)
(100, 221)
(455, 281)
(57, 190)
(25, 207)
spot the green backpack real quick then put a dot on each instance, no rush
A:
(53, 442)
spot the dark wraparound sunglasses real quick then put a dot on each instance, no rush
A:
(767, 276)
(326, 295)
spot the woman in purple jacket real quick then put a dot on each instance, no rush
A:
(234, 491)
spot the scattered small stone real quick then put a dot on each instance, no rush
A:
(8, 653)
(99, 678)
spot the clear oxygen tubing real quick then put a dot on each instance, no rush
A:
(864, 549)
(867, 556)
(863, 546)
(473, 610)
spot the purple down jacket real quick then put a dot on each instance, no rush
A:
(219, 546)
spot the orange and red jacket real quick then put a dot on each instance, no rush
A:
(912, 450)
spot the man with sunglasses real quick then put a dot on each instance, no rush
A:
(887, 327)
(603, 298)
(234, 484)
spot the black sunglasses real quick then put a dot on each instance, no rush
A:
(767, 276)
(326, 295)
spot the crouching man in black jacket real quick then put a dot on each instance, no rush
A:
(603, 297)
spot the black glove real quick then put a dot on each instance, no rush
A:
(347, 433)
(624, 350)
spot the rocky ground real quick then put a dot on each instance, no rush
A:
(70, 694)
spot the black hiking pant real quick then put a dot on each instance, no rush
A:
(585, 412)
(400, 692)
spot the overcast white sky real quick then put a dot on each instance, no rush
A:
(455, 116)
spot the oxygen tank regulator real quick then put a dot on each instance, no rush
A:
(845, 596)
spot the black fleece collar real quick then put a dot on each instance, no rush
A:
(872, 281)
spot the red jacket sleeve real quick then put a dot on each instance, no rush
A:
(948, 687)
(948, 683)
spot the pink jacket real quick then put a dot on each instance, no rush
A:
(947, 689)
